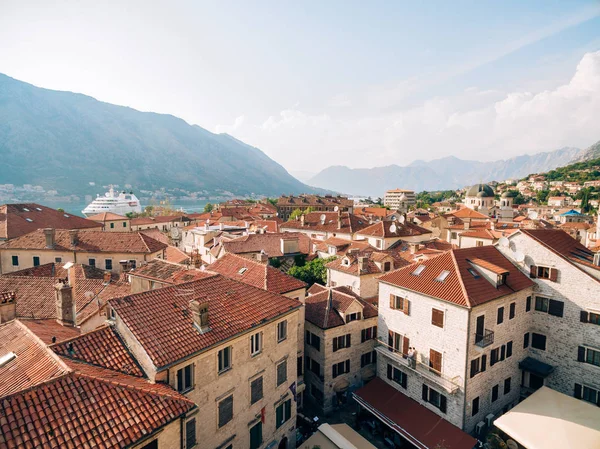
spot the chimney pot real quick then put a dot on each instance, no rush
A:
(73, 237)
(8, 306)
(200, 315)
(49, 233)
(65, 304)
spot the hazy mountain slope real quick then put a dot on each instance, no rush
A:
(64, 140)
(592, 152)
(445, 173)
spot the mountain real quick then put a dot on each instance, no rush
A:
(439, 174)
(592, 152)
(64, 141)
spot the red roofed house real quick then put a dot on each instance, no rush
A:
(112, 222)
(323, 225)
(339, 345)
(19, 219)
(384, 234)
(113, 251)
(465, 313)
(227, 346)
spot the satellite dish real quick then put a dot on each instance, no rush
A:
(512, 444)
(394, 218)
(519, 256)
(401, 219)
(336, 208)
(323, 217)
(533, 215)
(393, 228)
(89, 295)
(175, 233)
(504, 242)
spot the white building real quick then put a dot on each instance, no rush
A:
(480, 197)
(399, 199)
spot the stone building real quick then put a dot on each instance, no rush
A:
(324, 225)
(227, 346)
(340, 332)
(328, 203)
(384, 234)
(112, 222)
(480, 197)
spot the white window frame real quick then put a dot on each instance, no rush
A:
(282, 331)
(256, 344)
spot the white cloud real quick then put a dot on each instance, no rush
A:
(476, 124)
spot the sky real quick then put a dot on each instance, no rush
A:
(320, 83)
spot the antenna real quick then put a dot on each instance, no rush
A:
(504, 242)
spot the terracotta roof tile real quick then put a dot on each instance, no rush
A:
(47, 330)
(173, 254)
(350, 262)
(157, 235)
(339, 299)
(460, 286)
(255, 273)
(169, 272)
(269, 243)
(89, 241)
(19, 219)
(102, 347)
(466, 212)
(107, 216)
(161, 320)
(384, 229)
(350, 223)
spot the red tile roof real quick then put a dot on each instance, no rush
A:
(89, 241)
(89, 407)
(460, 286)
(107, 216)
(255, 273)
(157, 235)
(465, 212)
(19, 219)
(339, 299)
(101, 347)
(169, 272)
(350, 263)
(161, 320)
(393, 229)
(269, 243)
(342, 246)
(32, 365)
(47, 330)
(415, 422)
(175, 255)
(312, 222)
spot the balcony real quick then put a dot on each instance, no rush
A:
(450, 384)
(485, 339)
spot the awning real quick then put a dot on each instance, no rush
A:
(417, 424)
(536, 367)
(368, 374)
(551, 420)
(341, 386)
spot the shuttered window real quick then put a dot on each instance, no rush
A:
(507, 385)
(528, 304)
(368, 334)
(495, 389)
(434, 397)
(185, 378)
(281, 372)
(511, 310)
(475, 406)
(256, 435)
(283, 412)
(341, 342)
(400, 303)
(556, 308)
(224, 357)
(525, 340)
(500, 317)
(435, 361)
(256, 390)
(494, 356)
(225, 410)
(437, 317)
(190, 433)
(394, 374)
(538, 341)
(509, 348)
(340, 368)
(313, 340)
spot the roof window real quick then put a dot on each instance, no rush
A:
(67, 216)
(474, 273)
(7, 358)
(242, 270)
(442, 277)
(418, 270)
(37, 208)
(25, 209)
(29, 220)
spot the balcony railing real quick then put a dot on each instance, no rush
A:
(485, 339)
(450, 384)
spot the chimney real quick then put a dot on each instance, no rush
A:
(107, 278)
(8, 306)
(200, 315)
(73, 237)
(289, 245)
(124, 265)
(65, 304)
(206, 226)
(339, 220)
(49, 233)
(466, 225)
(262, 257)
(302, 220)
(493, 226)
(221, 226)
(362, 263)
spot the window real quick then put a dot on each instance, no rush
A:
(353, 317)
(434, 398)
(340, 368)
(281, 372)
(185, 378)
(453, 235)
(15, 261)
(256, 343)
(225, 410)
(435, 361)
(442, 276)
(256, 390)
(511, 310)
(475, 406)
(479, 243)
(190, 433)
(151, 445)
(224, 357)
(256, 435)
(368, 334)
(528, 304)
(124, 224)
(283, 412)
(495, 389)
(281, 331)
(313, 366)
(133, 264)
(316, 393)
(590, 317)
(509, 347)
(475, 275)
(507, 385)
(387, 266)
(500, 315)
(341, 342)
(313, 340)
(398, 342)
(588, 355)
(541, 304)
(526, 340)
(112, 226)
(418, 270)
(397, 376)
(92, 262)
(108, 264)
(587, 394)
(475, 367)
(437, 317)
(538, 341)
(543, 273)
(58, 259)
(299, 370)
(36, 261)
(368, 358)
(399, 303)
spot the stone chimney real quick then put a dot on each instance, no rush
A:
(73, 237)
(362, 263)
(289, 245)
(200, 315)
(65, 304)
(302, 220)
(49, 233)
(107, 278)
(124, 265)
(339, 220)
(262, 257)
(8, 306)
(466, 225)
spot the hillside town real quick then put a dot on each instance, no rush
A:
(306, 321)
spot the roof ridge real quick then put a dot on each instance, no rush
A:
(460, 280)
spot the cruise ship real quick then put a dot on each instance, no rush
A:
(115, 202)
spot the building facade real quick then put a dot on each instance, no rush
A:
(399, 199)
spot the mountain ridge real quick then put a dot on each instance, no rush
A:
(63, 140)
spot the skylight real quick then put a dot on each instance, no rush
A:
(442, 277)
(37, 208)
(25, 209)
(242, 270)
(7, 358)
(29, 220)
(474, 273)
(67, 216)
(418, 270)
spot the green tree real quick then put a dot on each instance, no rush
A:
(312, 272)
(297, 212)
(208, 207)
(148, 211)
(61, 210)
(542, 196)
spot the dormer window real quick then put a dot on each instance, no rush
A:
(502, 279)
(387, 266)
(353, 317)
(346, 262)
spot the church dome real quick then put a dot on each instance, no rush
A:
(507, 195)
(481, 191)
